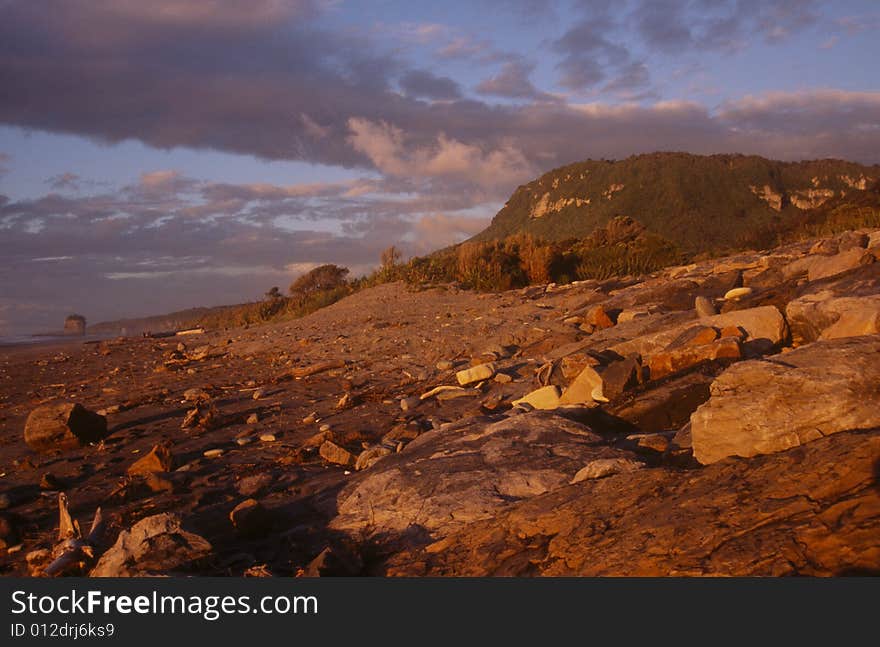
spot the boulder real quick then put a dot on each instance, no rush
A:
(447, 478)
(159, 459)
(63, 426)
(773, 404)
(666, 405)
(156, 545)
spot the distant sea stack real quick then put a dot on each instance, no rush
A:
(75, 325)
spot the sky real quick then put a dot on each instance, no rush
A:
(161, 155)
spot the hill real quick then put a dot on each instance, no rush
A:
(698, 203)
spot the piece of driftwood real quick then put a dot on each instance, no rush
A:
(73, 553)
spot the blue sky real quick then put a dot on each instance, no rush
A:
(161, 155)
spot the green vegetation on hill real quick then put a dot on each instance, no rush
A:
(698, 203)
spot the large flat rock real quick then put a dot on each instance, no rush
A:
(812, 511)
(450, 477)
(773, 404)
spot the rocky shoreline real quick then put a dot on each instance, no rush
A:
(719, 418)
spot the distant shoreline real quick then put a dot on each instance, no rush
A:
(46, 339)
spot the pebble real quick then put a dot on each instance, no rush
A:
(241, 442)
(267, 438)
(259, 393)
(324, 427)
(213, 453)
(253, 419)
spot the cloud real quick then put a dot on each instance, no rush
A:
(391, 151)
(421, 83)
(513, 82)
(4, 164)
(64, 181)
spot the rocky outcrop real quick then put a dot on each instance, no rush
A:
(824, 316)
(157, 545)
(63, 426)
(75, 325)
(449, 477)
(814, 511)
(774, 404)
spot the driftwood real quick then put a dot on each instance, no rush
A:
(320, 367)
(75, 554)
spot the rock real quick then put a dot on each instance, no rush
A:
(250, 518)
(603, 467)
(705, 307)
(770, 405)
(629, 315)
(458, 393)
(334, 562)
(371, 456)
(410, 403)
(8, 531)
(196, 395)
(159, 459)
(259, 394)
(737, 293)
(852, 239)
(696, 336)
(156, 545)
(448, 478)
(820, 267)
(50, 482)
(444, 365)
(813, 511)
(440, 389)
(63, 426)
(503, 378)
(75, 325)
(318, 439)
(546, 397)
(598, 317)
(333, 453)
(654, 442)
(213, 453)
(475, 374)
(764, 326)
(158, 482)
(251, 486)
(822, 315)
(678, 359)
(587, 387)
(252, 419)
(268, 438)
(665, 405)
(825, 247)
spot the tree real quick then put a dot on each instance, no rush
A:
(273, 294)
(323, 277)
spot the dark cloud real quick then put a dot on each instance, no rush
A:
(513, 82)
(421, 83)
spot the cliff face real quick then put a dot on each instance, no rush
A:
(700, 203)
